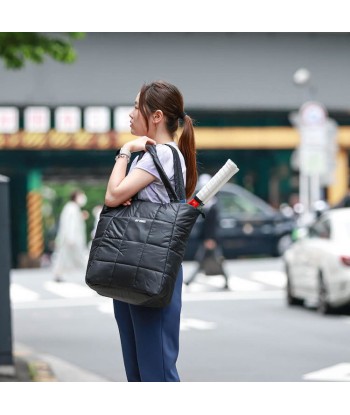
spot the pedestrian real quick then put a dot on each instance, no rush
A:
(150, 336)
(70, 252)
(209, 255)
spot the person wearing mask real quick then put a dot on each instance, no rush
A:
(71, 252)
(150, 336)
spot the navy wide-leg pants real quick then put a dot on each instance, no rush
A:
(150, 338)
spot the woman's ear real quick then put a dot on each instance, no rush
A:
(157, 116)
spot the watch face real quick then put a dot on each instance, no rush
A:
(313, 113)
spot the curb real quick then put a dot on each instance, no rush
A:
(40, 371)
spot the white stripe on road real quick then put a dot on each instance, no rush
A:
(195, 324)
(20, 294)
(231, 295)
(69, 289)
(187, 297)
(185, 323)
(275, 278)
(336, 373)
(241, 284)
(203, 282)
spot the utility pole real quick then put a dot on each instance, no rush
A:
(6, 356)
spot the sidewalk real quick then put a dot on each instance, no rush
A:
(27, 368)
(27, 371)
(32, 367)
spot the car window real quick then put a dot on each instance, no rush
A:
(230, 203)
(321, 229)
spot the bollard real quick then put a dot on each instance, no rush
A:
(6, 355)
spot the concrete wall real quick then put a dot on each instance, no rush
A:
(213, 70)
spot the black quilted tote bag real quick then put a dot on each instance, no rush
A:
(138, 249)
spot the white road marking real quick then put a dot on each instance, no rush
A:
(69, 289)
(242, 284)
(185, 323)
(61, 303)
(106, 307)
(20, 294)
(187, 297)
(275, 278)
(232, 295)
(336, 373)
(195, 324)
(205, 283)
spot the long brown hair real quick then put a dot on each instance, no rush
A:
(161, 95)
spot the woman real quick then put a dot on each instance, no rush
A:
(70, 244)
(150, 336)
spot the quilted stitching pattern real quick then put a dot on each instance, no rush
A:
(138, 249)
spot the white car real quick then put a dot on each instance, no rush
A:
(318, 263)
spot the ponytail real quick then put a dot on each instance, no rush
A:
(187, 146)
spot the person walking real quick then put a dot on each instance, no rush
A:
(150, 336)
(209, 256)
(70, 252)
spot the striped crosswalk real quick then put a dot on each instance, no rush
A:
(50, 293)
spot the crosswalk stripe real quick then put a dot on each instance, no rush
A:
(274, 278)
(68, 289)
(337, 373)
(185, 323)
(19, 294)
(196, 324)
(241, 284)
(203, 282)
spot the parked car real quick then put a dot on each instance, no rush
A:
(247, 226)
(318, 263)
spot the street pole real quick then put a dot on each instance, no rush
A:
(6, 356)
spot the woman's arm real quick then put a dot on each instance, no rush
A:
(121, 188)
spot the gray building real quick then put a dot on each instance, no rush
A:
(230, 71)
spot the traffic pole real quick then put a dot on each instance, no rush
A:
(6, 355)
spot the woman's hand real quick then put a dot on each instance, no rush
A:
(139, 144)
(127, 202)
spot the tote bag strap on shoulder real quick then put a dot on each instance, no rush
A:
(178, 194)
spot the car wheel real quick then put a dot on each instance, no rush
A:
(323, 306)
(291, 300)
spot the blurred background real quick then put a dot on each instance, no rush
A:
(277, 104)
(239, 87)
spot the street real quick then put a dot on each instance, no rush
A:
(247, 334)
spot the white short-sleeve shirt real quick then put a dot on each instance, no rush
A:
(155, 191)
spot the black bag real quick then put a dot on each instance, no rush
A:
(212, 262)
(138, 249)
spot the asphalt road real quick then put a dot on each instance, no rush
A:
(247, 334)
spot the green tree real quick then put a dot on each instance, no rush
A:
(16, 48)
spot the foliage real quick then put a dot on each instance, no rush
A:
(16, 48)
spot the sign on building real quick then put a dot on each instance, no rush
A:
(9, 120)
(37, 119)
(97, 119)
(68, 119)
(122, 119)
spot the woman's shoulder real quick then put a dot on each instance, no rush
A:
(163, 149)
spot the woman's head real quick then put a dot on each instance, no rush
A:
(165, 99)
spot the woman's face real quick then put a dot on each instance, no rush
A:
(138, 125)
